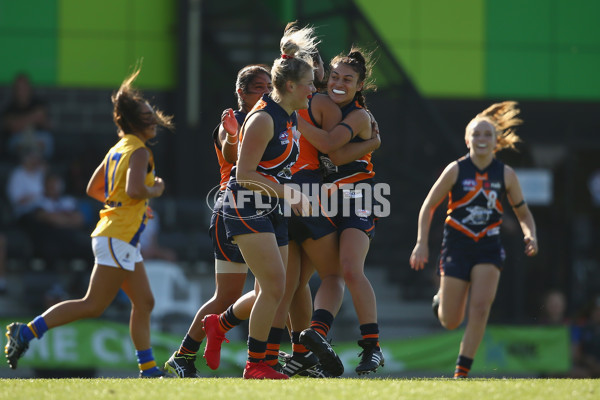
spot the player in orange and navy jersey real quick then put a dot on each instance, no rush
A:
(253, 203)
(124, 182)
(348, 79)
(230, 268)
(472, 255)
(315, 237)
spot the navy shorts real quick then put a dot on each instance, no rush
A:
(317, 225)
(355, 212)
(223, 247)
(246, 211)
(458, 259)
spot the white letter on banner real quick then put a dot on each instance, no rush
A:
(65, 344)
(39, 348)
(101, 351)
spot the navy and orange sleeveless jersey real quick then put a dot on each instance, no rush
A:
(475, 202)
(355, 171)
(308, 157)
(282, 150)
(242, 212)
(223, 247)
(224, 166)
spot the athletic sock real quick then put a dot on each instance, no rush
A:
(463, 366)
(273, 345)
(228, 320)
(297, 347)
(189, 347)
(321, 321)
(34, 329)
(146, 362)
(256, 350)
(370, 332)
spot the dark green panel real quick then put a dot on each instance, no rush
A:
(519, 23)
(518, 73)
(28, 15)
(334, 38)
(284, 9)
(39, 61)
(93, 62)
(577, 75)
(578, 23)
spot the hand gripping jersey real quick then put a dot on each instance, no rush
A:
(474, 205)
(122, 217)
(355, 171)
(224, 166)
(282, 150)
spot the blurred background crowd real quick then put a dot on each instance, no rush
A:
(438, 64)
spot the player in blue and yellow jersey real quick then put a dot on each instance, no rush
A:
(124, 182)
(254, 201)
(230, 268)
(472, 255)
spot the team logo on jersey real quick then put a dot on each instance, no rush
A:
(327, 165)
(491, 185)
(469, 185)
(477, 215)
(363, 213)
(284, 137)
(352, 194)
(286, 172)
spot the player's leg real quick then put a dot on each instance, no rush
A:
(267, 262)
(484, 284)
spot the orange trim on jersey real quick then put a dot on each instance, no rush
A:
(268, 164)
(475, 236)
(323, 213)
(479, 178)
(357, 177)
(308, 156)
(238, 214)
(305, 115)
(224, 168)
(217, 237)
(269, 177)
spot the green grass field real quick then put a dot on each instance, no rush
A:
(300, 389)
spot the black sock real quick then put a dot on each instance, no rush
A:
(463, 366)
(188, 346)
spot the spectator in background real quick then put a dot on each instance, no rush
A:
(554, 308)
(25, 120)
(586, 356)
(150, 247)
(25, 187)
(3, 285)
(57, 225)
